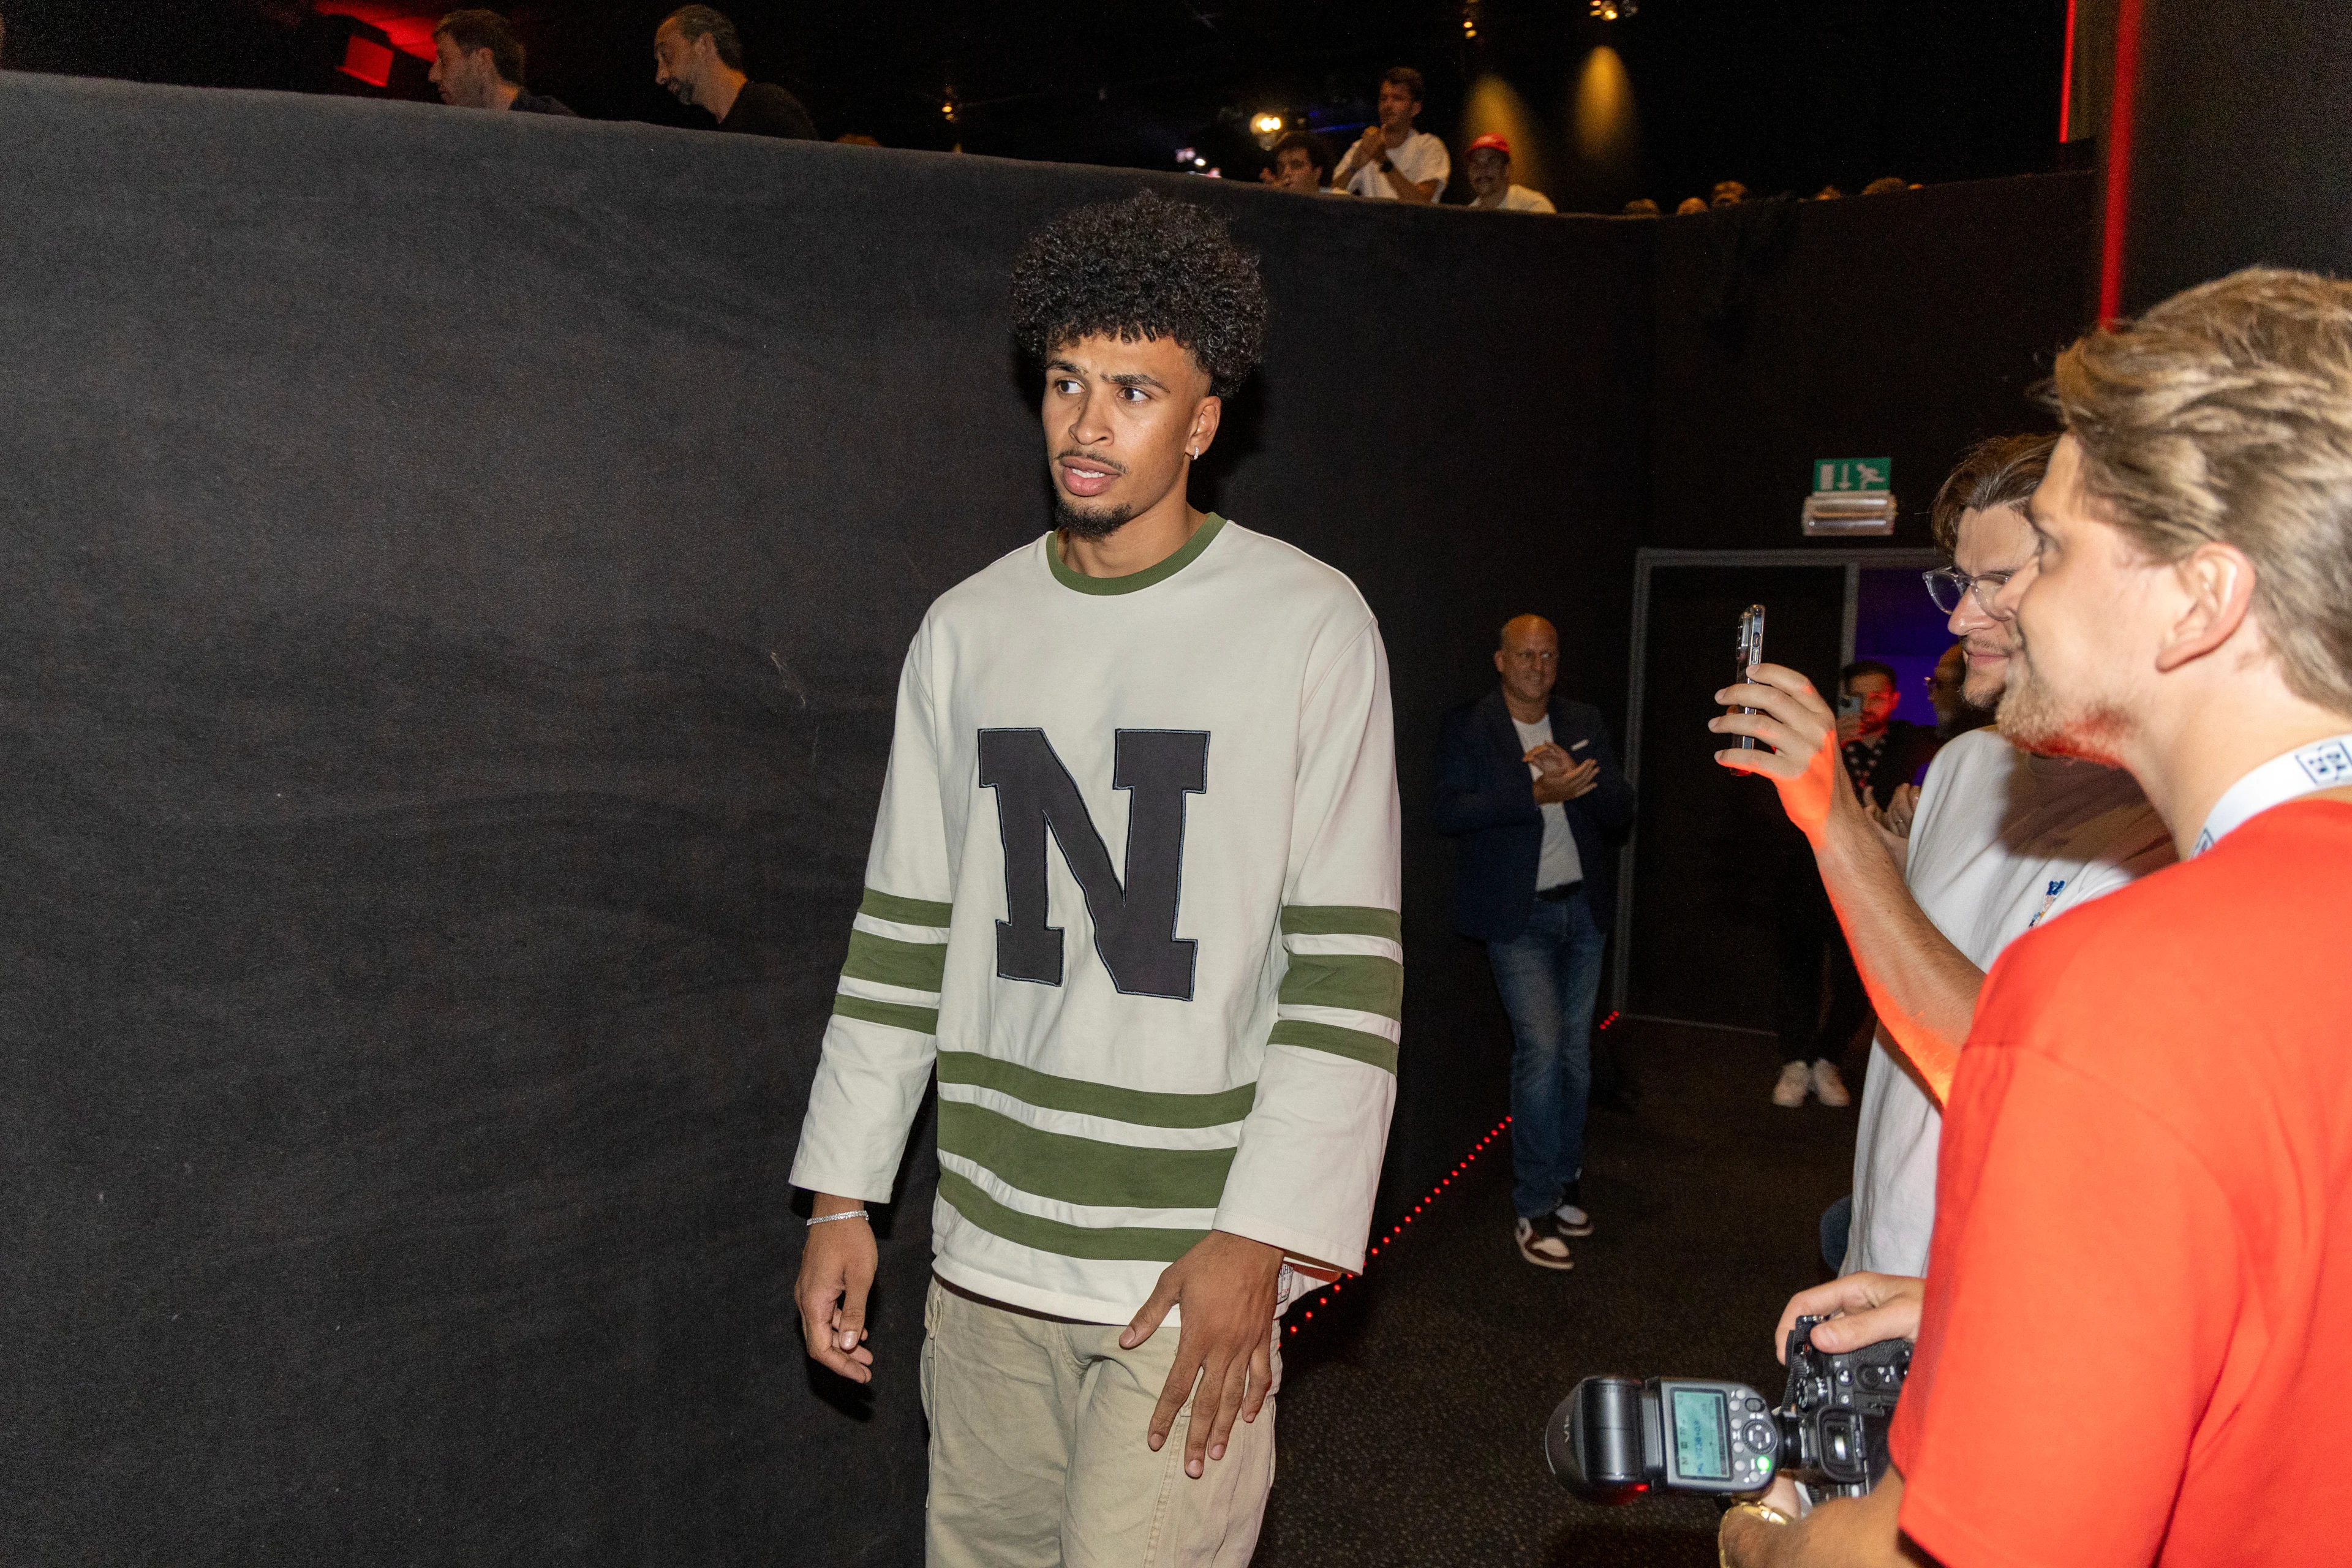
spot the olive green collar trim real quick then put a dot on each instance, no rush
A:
(1203, 536)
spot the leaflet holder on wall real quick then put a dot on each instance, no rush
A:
(1836, 515)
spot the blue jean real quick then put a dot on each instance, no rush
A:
(1550, 975)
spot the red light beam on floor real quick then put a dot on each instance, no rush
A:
(1324, 1295)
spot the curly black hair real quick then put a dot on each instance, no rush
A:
(1143, 267)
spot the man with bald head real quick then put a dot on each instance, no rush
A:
(1527, 780)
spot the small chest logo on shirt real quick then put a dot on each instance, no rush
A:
(2329, 763)
(2049, 897)
(1134, 918)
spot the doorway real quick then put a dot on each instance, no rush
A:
(1695, 936)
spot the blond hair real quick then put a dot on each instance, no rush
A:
(2225, 414)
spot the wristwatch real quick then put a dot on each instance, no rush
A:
(1386, 167)
(1763, 1510)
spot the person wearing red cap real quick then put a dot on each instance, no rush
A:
(1490, 175)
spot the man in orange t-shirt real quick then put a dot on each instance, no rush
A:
(2138, 1321)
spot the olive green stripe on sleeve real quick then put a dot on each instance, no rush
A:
(1144, 1107)
(1358, 982)
(1081, 1170)
(1372, 1050)
(897, 1015)
(890, 907)
(1340, 920)
(1132, 1243)
(916, 966)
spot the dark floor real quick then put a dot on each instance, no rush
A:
(1412, 1406)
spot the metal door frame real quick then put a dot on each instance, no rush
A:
(1853, 557)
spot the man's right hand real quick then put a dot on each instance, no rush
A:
(1369, 149)
(1862, 1310)
(1556, 785)
(1901, 807)
(837, 1266)
(1804, 764)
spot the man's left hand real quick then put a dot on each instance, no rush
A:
(1225, 1285)
(1804, 763)
(1847, 1532)
(1748, 1540)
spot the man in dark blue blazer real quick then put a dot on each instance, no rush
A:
(1528, 781)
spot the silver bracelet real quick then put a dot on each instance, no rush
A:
(845, 1214)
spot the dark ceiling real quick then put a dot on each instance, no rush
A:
(1783, 94)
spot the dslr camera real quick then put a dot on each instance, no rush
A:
(1614, 1438)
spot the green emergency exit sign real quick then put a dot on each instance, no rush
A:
(1831, 475)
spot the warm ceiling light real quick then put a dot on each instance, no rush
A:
(1610, 10)
(1266, 124)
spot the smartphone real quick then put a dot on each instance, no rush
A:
(1751, 652)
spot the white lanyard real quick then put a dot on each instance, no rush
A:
(2323, 764)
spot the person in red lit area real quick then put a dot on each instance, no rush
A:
(2135, 1330)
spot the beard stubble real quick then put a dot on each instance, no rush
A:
(1092, 526)
(2032, 717)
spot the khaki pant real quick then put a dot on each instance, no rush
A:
(1038, 1456)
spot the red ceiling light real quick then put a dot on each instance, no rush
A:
(368, 60)
(406, 24)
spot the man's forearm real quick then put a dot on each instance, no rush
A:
(1857, 1532)
(1923, 988)
(1406, 190)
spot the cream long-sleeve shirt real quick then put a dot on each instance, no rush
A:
(1133, 895)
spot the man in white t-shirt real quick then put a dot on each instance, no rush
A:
(2001, 840)
(1392, 161)
(1489, 163)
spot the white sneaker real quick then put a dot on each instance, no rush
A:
(1828, 1087)
(1574, 1220)
(1540, 1244)
(1795, 1078)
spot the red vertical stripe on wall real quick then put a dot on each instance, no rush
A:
(2066, 81)
(2120, 148)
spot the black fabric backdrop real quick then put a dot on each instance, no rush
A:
(459, 567)
(458, 572)
(1897, 326)
(2242, 128)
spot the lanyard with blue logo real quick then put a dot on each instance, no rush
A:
(2323, 764)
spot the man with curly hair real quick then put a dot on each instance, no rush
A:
(1164, 1074)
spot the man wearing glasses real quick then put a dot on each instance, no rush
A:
(1528, 781)
(2002, 841)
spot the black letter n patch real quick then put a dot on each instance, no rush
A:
(1135, 919)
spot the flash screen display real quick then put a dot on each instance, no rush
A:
(1702, 1436)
